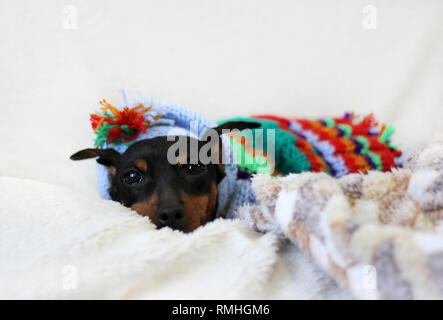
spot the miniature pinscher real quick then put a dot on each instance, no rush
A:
(176, 194)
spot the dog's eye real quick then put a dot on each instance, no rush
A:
(132, 177)
(194, 168)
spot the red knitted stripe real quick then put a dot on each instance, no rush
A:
(302, 143)
(351, 163)
(315, 164)
(339, 146)
(387, 159)
(283, 123)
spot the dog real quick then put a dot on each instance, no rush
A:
(179, 194)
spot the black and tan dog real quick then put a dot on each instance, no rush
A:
(177, 194)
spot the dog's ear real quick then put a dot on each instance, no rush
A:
(106, 157)
(216, 148)
(239, 125)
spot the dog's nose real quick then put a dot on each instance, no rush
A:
(171, 217)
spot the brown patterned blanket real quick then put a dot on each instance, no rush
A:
(377, 234)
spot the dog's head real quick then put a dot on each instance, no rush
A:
(172, 180)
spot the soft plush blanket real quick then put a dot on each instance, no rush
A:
(378, 234)
(57, 242)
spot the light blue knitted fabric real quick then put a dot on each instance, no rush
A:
(176, 120)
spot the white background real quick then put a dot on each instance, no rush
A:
(220, 58)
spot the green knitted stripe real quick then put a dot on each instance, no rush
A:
(329, 122)
(389, 131)
(365, 151)
(346, 128)
(247, 162)
(364, 142)
(376, 159)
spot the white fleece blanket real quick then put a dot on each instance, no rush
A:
(59, 243)
(58, 239)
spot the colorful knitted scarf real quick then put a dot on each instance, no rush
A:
(337, 146)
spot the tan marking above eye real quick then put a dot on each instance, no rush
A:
(111, 170)
(141, 165)
(182, 159)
